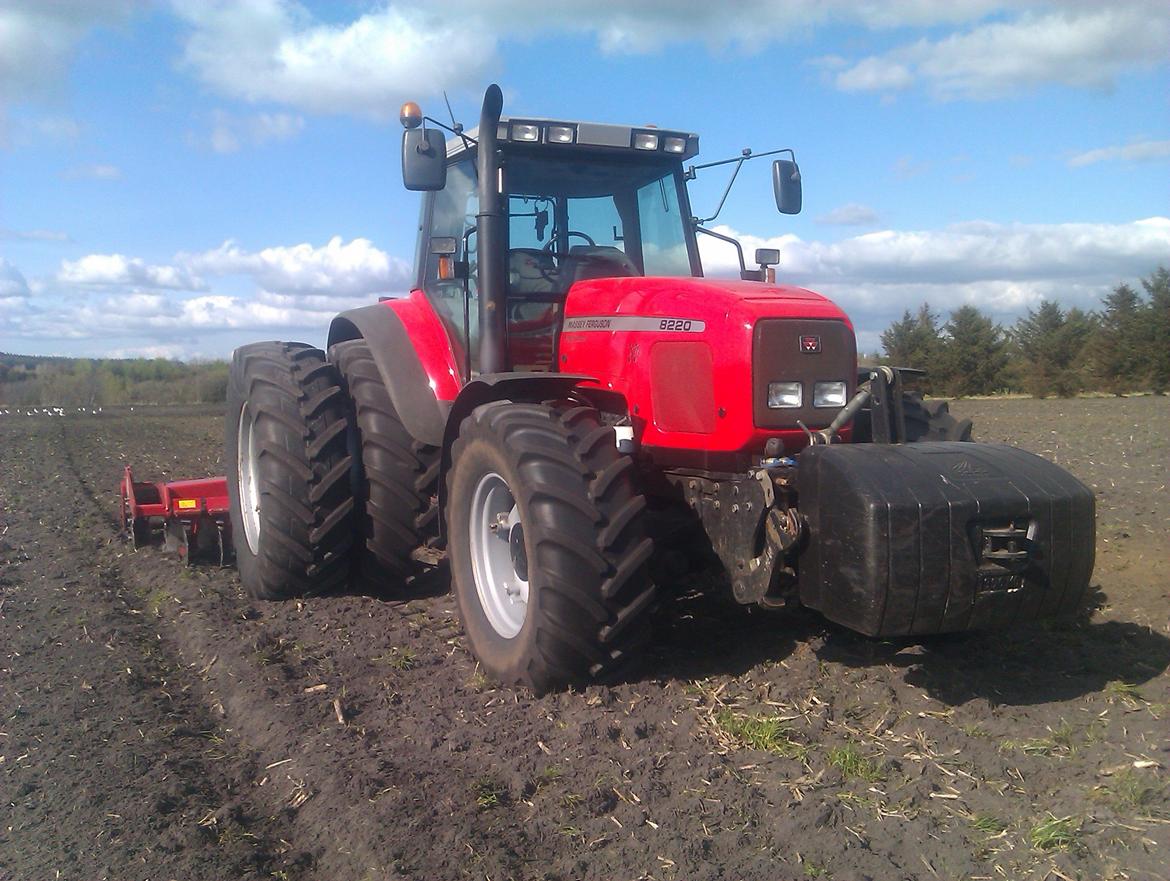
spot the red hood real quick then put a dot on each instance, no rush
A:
(696, 298)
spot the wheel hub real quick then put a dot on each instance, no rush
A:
(519, 554)
(499, 559)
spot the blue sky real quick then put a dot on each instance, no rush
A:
(178, 178)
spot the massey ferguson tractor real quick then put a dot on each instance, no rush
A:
(576, 413)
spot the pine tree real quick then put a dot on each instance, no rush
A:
(915, 342)
(974, 353)
(1051, 343)
(1157, 326)
(1118, 346)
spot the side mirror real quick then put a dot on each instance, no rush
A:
(786, 186)
(424, 159)
(768, 256)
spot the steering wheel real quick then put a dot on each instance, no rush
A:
(568, 235)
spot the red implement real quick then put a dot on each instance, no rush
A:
(191, 516)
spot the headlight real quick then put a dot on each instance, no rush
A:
(785, 395)
(829, 394)
(560, 134)
(645, 141)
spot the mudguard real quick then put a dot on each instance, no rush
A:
(414, 357)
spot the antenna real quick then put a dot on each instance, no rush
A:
(456, 127)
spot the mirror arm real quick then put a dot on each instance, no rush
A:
(746, 154)
(457, 130)
(743, 270)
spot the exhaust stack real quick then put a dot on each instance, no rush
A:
(491, 232)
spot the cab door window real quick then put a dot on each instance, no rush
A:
(453, 211)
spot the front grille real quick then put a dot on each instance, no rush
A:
(781, 353)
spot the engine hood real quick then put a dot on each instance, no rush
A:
(692, 357)
(702, 298)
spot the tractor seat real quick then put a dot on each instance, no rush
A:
(532, 271)
(598, 261)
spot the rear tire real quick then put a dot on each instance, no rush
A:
(396, 480)
(288, 480)
(567, 513)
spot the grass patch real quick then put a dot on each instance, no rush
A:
(853, 764)
(400, 658)
(1056, 833)
(489, 793)
(1126, 692)
(988, 825)
(1129, 791)
(1060, 741)
(765, 733)
(156, 599)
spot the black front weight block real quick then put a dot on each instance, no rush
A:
(940, 537)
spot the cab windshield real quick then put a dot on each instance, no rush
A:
(576, 219)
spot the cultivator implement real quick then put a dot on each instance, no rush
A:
(188, 518)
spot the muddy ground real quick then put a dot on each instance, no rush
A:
(155, 724)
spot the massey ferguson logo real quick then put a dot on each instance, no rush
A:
(810, 344)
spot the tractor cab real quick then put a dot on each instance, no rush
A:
(580, 201)
(574, 201)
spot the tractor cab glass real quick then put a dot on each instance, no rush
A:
(573, 219)
(452, 217)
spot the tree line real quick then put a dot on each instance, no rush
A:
(29, 381)
(1123, 347)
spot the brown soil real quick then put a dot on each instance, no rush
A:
(155, 724)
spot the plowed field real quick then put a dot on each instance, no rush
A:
(156, 724)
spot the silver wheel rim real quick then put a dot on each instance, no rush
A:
(247, 469)
(495, 531)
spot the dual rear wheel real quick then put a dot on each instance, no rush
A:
(545, 528)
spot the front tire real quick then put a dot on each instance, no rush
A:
(548, 545)
(288, 481)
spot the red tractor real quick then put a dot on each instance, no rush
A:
(572, 409)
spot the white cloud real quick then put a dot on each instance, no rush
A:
(97, 171)
(336, 269)
(1080, 46)
(12, 283)
(1142, 151)
(1001, 268)
(276, 51)
(33, 235)
(229, 133)
(850, 214)
(279, 51)
(115, 269)
(28, 131)
(38, 39)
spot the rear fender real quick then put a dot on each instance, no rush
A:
(484, 389)
(413, 352)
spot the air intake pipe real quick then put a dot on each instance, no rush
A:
(491, 231)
